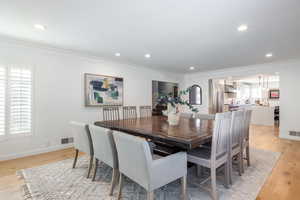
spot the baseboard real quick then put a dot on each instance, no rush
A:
(289, 137)
(35, 152)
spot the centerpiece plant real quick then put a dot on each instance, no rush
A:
(173, 104)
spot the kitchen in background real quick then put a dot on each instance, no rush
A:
(259, 93)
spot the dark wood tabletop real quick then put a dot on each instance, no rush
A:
(188, 134)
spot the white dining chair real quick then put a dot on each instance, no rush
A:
(235, 142)
(245, 139)
(205, 116)
(105, 151)
(217, 155)
(145, 111)
(186, 115)
(82, 142)
(111, 113)
(129, 112)
(136, 162)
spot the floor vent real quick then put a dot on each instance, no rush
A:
(295, 133)
(67, 140)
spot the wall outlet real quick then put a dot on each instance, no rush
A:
(295, 133)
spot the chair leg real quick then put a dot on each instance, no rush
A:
(95, 170)
(114, 179)
(248, 155)
(240, 163)
(228, 179)
(214, 194)
(75, 159)
(90, 166)
(120, 186)
(199, 170)
(183, 187)
(150, 195)
(229, 163)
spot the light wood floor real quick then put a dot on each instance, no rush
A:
(282, 184)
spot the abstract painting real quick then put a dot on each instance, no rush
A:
(103, 90)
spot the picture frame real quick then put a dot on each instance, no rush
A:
(103, 90)
(274, 94)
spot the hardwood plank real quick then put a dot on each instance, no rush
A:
(284, 181)
(11, 166)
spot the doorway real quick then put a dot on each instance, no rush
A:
(260, 93)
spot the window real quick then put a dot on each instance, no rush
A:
(15, 101)
(243, 92)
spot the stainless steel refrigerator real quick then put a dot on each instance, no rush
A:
(216, 96)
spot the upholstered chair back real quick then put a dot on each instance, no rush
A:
(134, 157)
(104, 145)
(82, 137)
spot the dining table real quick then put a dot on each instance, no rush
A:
(188, 134)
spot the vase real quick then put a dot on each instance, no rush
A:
(173, 119)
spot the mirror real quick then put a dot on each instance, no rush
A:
(195, 95)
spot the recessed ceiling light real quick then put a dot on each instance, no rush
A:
(147, 55)
(117, 54)
(192, 67)
(40, 27)
(269, 55)
(242, 28)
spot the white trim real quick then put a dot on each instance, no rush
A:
(288, 137)
(35, 152)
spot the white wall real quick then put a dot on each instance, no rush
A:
(59, 92)
(289, 72)
(290, 99)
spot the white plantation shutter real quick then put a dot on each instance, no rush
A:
(15, 101)
(20, 100)
(2, 100)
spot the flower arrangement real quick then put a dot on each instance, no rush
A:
(176, 101)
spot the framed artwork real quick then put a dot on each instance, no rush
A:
(274, 94)
(103, 90)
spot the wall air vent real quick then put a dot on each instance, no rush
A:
(67, 140)
(295, 133)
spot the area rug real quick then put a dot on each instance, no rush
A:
(58, 181)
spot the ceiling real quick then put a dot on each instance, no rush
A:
(177, 33)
